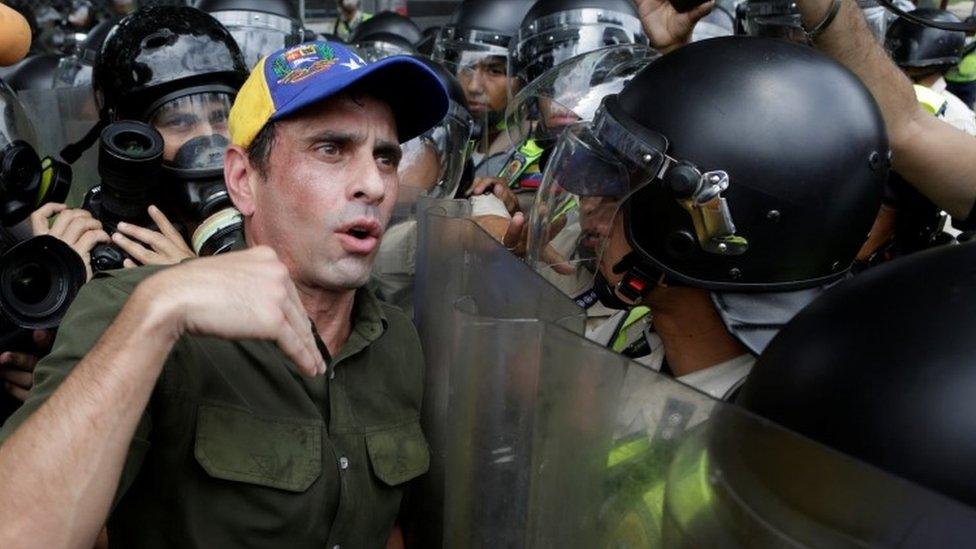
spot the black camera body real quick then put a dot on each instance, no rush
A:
(130, 158)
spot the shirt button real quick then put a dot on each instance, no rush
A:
(343, 464)
(332, 373)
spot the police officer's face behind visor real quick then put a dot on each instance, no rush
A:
(194, 130)
(328, 191)
(485, 82)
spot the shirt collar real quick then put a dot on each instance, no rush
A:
(939, 85)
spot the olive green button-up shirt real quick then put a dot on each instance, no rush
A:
(236, 449)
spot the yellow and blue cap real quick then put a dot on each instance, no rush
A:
(293, 78)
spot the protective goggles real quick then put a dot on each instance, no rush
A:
(194, 129)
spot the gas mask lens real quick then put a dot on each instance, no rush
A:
(194, 129)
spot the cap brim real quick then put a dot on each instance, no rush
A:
(414, 92)
(755, 318)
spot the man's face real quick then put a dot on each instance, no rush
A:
(193, 116)
(485, 82)
(555, 116)
(329, 191)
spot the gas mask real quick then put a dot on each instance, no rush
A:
(193, 187)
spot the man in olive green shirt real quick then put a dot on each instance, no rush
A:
(258, 398)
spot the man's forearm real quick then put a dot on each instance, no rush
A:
(937, 159)
(59, 471)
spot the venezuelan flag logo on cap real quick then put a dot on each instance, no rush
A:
(291, 79)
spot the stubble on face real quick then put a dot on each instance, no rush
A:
(331, 179)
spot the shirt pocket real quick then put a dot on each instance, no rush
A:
(398, 454)
(234, 444)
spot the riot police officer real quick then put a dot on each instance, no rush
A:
(677, 196)
(474, 46)
(559, 87)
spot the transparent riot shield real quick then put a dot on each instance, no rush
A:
(541, 438)
(63, 116)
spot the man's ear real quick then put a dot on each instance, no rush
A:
(241, 178)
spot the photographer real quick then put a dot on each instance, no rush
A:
(78, 229)
(27, 180)
(178, 70)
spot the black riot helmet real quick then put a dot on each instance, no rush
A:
(385, 34)
(724, 184)
(160, 53)
(556, 30)
(487, 25)
(259, 26)
(881, 368)
(916, 46)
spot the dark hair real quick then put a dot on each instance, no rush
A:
(259, 151)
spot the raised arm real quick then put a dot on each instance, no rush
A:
(59, 470)
(939, 160)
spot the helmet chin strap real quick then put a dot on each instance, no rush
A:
(638, 279)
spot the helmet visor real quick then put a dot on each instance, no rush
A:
(374, 50)
(14, 122)
(572, 91)
(258, 34)
(552, 40)
(194, 130)
(595, 168)
(434, 162)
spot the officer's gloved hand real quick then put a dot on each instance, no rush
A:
(17, 368)
(163, 247)
(665, 27)
(74, 226)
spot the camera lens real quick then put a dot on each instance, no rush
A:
(30, 283)
(132, 144)
(39, 278)
(129, 160)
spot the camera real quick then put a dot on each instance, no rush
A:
(28, 182)
(39, 278)
(130, 158)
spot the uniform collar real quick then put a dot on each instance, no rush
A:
(369, 322)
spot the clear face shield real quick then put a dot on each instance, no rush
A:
(434, 162)
(258, 33)
(572, 91)
(374, 50)
(479, 60)
(576, 225)
(560, 37)
(777, 19)
(781, 19)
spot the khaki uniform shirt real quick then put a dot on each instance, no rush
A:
(236, 449)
